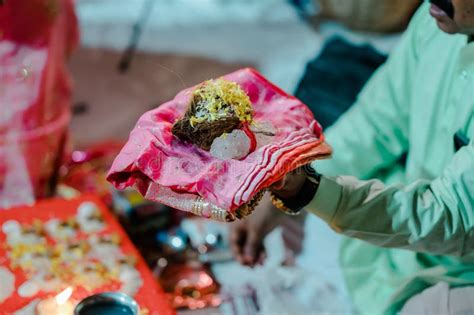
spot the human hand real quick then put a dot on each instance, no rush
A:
(247, 236)
(290, 185)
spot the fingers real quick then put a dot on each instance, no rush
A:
(278, 185)
(237, 241)
(246, 236)
(290, 185)
(246, 245)
(262, 257)
(250, 250)
(253, 248)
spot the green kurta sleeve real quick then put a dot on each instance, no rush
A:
(418, 105)
(435, 217)
(430, 216)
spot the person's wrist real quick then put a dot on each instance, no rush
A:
(293, 184)
(296, 197)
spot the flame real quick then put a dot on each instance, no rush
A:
(62, 297)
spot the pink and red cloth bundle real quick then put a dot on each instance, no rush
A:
(183, 176)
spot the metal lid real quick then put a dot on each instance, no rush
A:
(118, 298)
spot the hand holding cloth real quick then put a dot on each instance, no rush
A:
(187, 177)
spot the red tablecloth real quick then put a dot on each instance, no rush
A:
(149, 296)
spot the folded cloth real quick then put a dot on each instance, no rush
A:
(177, 173)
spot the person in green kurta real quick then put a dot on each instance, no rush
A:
(413, 231)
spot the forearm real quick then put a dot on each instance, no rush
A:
(418, 217)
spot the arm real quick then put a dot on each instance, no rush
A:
(435, 217)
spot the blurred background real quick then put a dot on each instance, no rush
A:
(179, 43)
(132, 56)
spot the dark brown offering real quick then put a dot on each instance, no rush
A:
(217, 107)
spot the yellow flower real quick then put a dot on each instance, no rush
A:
(217, 99)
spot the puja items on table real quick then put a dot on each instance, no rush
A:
(58, 252)
(215, 148)
(190, 285)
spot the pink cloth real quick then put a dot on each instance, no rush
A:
(165, 169)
